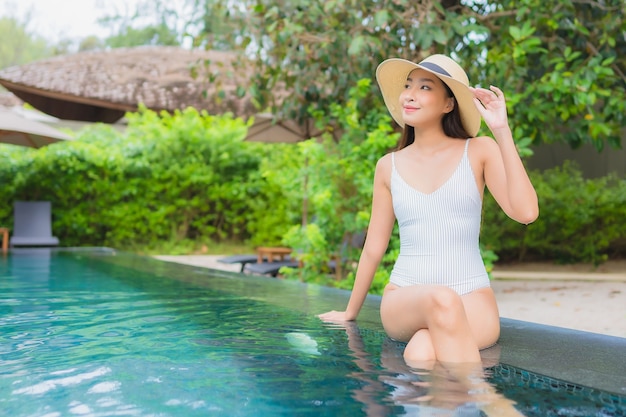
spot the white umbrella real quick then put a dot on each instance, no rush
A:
(18, 130)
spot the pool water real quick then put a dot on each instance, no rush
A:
(99, 333)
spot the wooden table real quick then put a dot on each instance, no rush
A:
(272, 253)
(5, 238)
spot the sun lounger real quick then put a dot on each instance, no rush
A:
(239, 259)
(32, 224)
(270, 268)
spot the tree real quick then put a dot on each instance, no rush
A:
(561, 63)
(150, 35)
(18, 45)
(224, 25)
(155, 22)
(90, 43)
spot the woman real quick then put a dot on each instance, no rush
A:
(438, 298)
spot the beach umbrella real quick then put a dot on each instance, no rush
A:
(18, 130)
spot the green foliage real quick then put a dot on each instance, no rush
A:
(170, 177)
(580, 220)
(151, 35)
(13, 161)
(177, 182)
(334, 184)
(272, 215)
(489, 259)
(317, 50)
(153, 22)
(562, 64)
(18, 45)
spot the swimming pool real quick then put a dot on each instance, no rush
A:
(95, 332)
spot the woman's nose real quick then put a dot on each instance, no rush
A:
(406, 96)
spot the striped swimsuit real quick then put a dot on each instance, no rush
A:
(439, 232)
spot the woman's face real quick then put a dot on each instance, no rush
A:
(424, 99)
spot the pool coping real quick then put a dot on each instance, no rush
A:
(590, 359)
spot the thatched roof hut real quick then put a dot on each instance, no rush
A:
(101, 86)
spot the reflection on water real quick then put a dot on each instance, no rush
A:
(450, 390)
(105, 335)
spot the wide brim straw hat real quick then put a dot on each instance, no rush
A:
(392, 73)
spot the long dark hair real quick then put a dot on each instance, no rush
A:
(451, 123)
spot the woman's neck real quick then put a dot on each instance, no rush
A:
(434, 138)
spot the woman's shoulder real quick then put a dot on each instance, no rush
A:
(385, 160)
(483, 146)
(482, 141)
(384, 163)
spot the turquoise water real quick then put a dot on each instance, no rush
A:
(98, 333)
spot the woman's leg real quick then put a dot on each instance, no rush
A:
(419, 352)
(483, 316)
(438, 324)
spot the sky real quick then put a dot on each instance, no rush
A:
(64, 19)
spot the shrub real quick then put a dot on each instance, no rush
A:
(168, 177)
(580, 219)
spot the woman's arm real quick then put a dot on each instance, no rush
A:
(378, 233)
(504, 172)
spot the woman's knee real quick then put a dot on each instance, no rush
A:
(447, 308)
(419, 351)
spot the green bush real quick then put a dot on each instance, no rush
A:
(168, 177)
(189, 177)
(331, 181)
(580, 219)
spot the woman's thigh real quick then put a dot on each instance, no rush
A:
(405, 310)
(483, 317)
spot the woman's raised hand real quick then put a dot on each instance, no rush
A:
(492, 106)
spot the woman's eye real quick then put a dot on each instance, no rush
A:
(425, 87)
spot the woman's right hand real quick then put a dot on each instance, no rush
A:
(334, 317)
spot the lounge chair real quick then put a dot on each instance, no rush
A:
(32, 224)
(239, 259)
(270, 268)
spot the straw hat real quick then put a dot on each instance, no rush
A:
(392, 74)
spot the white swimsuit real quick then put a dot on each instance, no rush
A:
(439, 232)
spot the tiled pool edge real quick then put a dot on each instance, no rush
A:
(589, 359)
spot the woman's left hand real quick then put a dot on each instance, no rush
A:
(492, 106)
